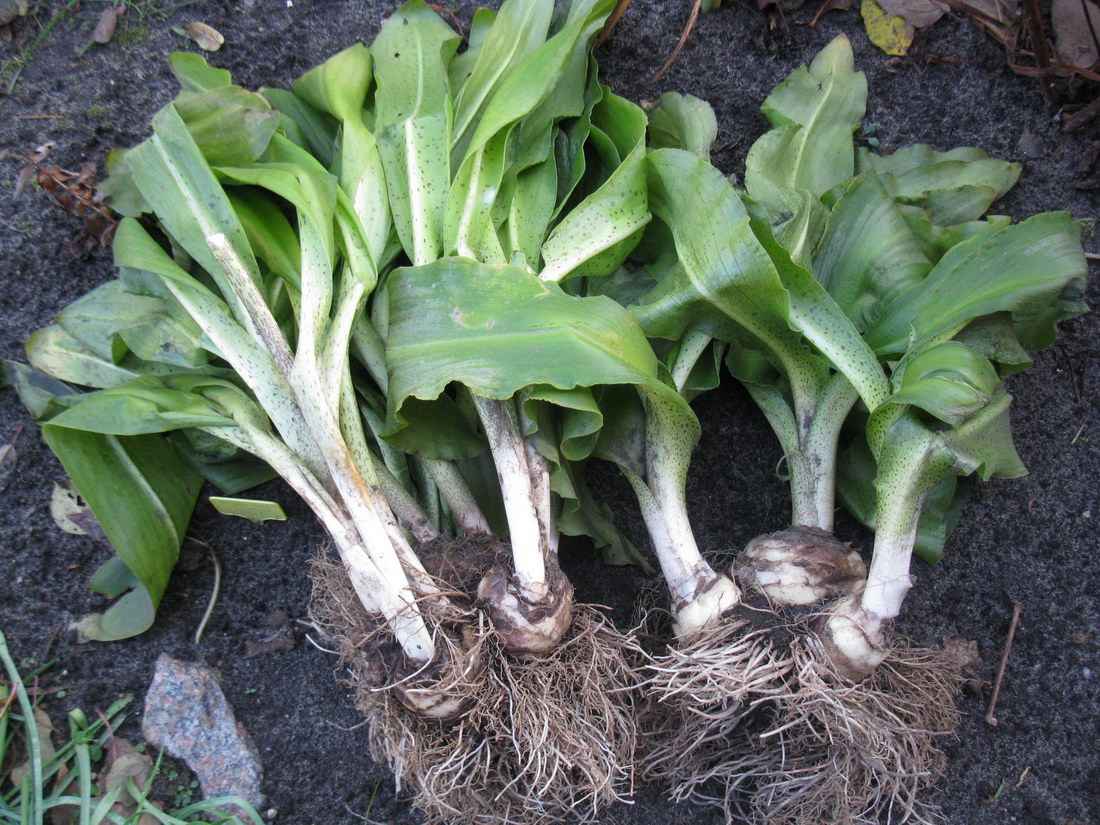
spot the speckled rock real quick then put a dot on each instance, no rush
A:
(187, 714)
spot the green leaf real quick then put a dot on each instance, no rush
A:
(228, 468)
(145, 405)
(231, 126)
(35, 389)
(180, 186)
(604, 222)
(950, 381)
(481, 160)
(339, 87)
(868, 254)
(729, 261)
(143, 496)
(682, 122)
(498, 330)
(255, 510)
(413, 123)
(913, 157)
(315, 129)
(56, 353)
(517, 31)
(113, 578)
(814, 113)
(1021, 269)
(194, 74)
(111, 321)
(120, 189)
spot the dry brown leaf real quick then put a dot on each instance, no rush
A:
(828, 6)
(1074, 40)
(45, 739)
(964, 651)
(72, 514)
(1000, 18)
(105, 28)
(917, 13)
(121, 763)
(74, 192)
(207, 37)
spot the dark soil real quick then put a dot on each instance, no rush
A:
(1034, 539)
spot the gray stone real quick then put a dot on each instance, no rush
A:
(187, 714)
(1030, 145)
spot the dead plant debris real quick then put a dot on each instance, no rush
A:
(73, 192)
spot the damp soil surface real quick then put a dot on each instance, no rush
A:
(1034, 539)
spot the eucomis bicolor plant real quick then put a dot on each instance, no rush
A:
(416, 206)
(838, 280)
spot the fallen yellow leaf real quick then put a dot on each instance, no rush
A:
(887, 31)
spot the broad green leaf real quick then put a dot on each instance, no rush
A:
(612, 215)
(498, 330)
(798, 220)
(1021, 269)
(682, 122)
(994, 337)
(110, 321)
(868, 253)
(143, 496)
(461, 67)
(530, 211)
(56, 353)
(730, 261)
(468, 227)
(269, 233)
(936, 240)
(135, 249)
(814, 113)
(35, 389)
(228, 468)
(113, 578)
(119, 188)
(922, 181)
(230, 125)
(181, 188)
(339, 87)
(912, 157)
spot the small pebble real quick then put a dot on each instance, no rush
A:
(1030, 145)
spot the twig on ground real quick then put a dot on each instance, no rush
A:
(1017, 609)
(692, 18)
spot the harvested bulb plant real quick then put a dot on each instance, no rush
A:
(442, 280)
